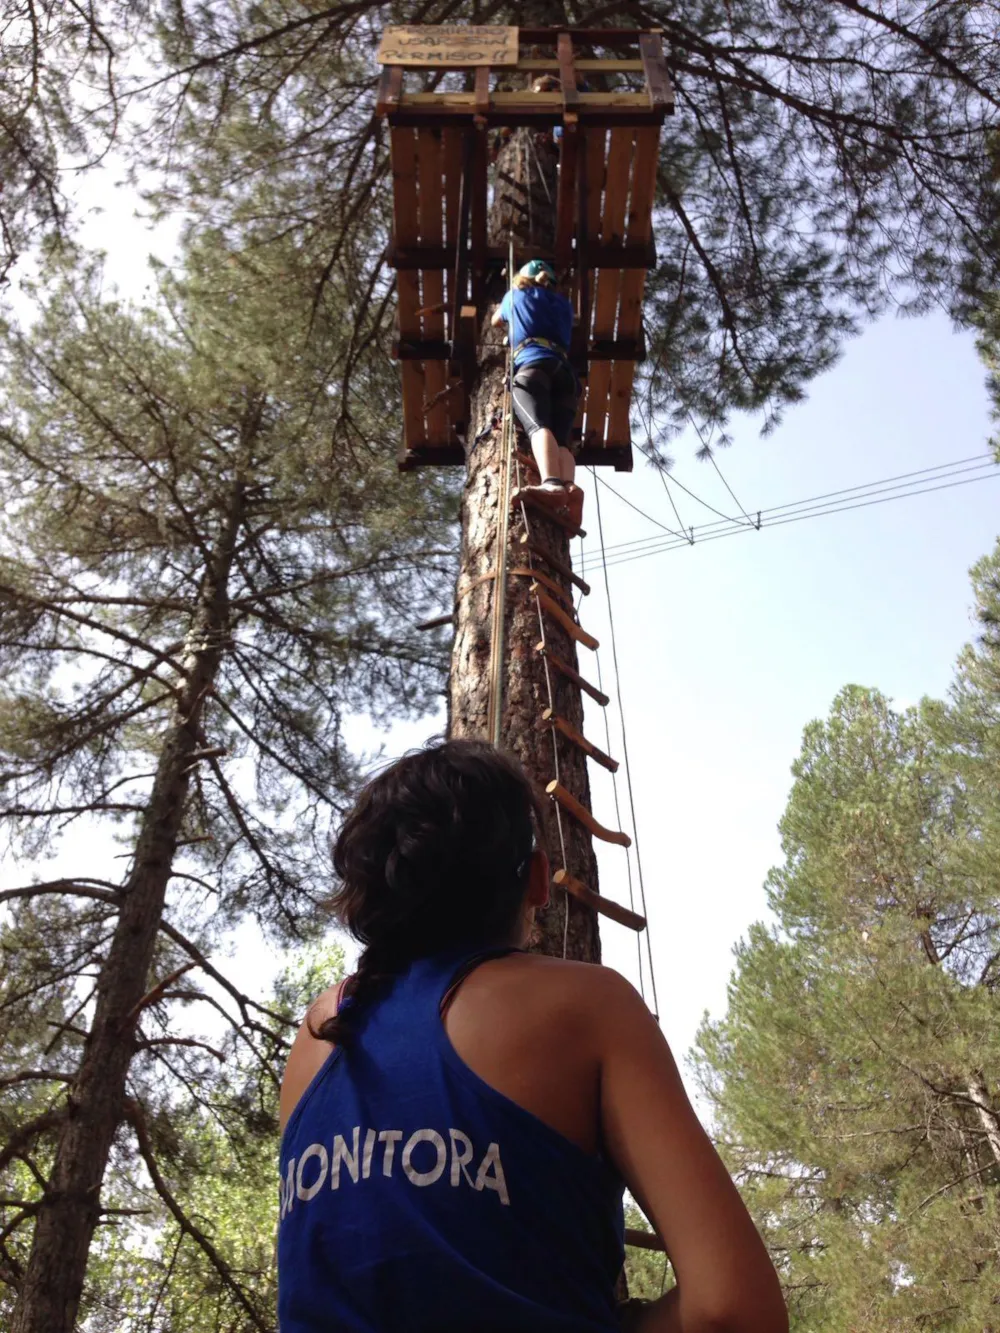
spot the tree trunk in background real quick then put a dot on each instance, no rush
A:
(530, 160)
(53, 1280)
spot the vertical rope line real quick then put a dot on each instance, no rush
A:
(494, 719)
(628, 769)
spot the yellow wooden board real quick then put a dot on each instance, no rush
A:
(452, 45)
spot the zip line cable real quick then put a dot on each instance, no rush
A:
(833, 502)
(641, 512)
(826, 502)
(730, 490)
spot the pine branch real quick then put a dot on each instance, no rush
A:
(136, 1117)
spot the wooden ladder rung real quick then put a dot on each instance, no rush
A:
(571, 734)
(555, 563)
(527, 461)
(580, 812)
(560, 593)
(552, 608)
(540, 506)
(572, 674)
(604, 906)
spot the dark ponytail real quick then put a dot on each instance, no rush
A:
(433, 856)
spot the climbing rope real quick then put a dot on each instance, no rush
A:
(628, 768)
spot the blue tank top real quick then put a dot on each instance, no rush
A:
(537, 312)
(415, 1198)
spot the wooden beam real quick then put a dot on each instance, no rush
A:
(566, 193)
(403, 144)
(580, 812)
(661, 91)
(555, 563)
(567, 75)
(591, 255)
(606, 906)
(477, 223)
(618, 456)
(552, 608)
(482, 90)
(390, 86)
(572, 674)
(549, 583)
(579, 740)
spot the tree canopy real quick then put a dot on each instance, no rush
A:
(854, 1074)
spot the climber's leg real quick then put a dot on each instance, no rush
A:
(532, 396)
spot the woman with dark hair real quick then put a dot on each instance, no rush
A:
(460, 1116)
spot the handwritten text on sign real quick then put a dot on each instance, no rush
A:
(449, 44)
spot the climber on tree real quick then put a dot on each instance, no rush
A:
(460, 1115)
(545, 389)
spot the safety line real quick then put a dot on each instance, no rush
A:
(625, 756)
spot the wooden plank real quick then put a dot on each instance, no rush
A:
(608, 280)
(572, 674)
(481, 91)
(555, 563)
(539, 576)
(587, 65)
(605, 906)
(661, 92)
(448, 45)
(566, 194)
(639, 223)
(430, 198)
(578, 739)
(583, 816)
(552, 608)
(451, 164)
(390, 87)
(403, 148)
(531, 499)
(592, 192)
(479, 170)
(567, 75)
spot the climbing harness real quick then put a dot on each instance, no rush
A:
(556, 349)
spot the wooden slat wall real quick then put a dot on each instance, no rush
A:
(405, 228)
(639, 223)
(596, 151)
(430, 201)
(608, 281)
(451, 155)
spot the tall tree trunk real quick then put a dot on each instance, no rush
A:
(988, 1117)
(70, 1208)
(524, 204)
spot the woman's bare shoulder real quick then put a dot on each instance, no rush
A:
(308, 1052)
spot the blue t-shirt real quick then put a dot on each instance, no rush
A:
(537, 312)
(415, 1198)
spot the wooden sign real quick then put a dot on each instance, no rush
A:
(450, 45)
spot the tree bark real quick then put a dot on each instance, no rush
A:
(53, 1280)
(524, 203)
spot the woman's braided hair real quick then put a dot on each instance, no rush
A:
(433, 856)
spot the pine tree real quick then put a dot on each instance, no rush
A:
(854, 1074)
(197, 584)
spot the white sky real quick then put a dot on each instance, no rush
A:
(729, 648)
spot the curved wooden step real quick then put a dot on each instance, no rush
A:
(580, 812)
(560, 593)
(539, 505)
(553, 609)
(579, 740)
(572, 674)
(612, 910)
(553, 562)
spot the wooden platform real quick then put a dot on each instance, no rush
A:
(606, 187)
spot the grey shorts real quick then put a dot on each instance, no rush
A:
(545, 396)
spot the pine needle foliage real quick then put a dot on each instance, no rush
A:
(199, 584)
(854, 1076)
